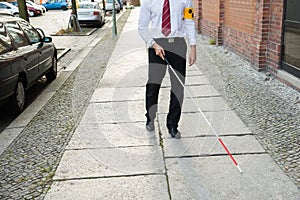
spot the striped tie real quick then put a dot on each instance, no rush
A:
(166, 22)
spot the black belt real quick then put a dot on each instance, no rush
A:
(169, 40)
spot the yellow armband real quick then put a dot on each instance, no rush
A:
(188, 13)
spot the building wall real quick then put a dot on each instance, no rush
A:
(238, 29)
(210, 18)
(274, 38)
(251, 28)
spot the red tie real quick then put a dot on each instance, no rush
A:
(166, 21)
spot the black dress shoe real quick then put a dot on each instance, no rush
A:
(174, 133)
(150, 126)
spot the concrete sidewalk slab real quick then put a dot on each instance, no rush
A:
(112, 135)
(191, 71)
(191, 105)
(195, 91)
(118, 94)
(134, 187)
(217, 178)
(189, 81)
(115, 112)
(194, 124)
(205, 146)
(108, 162)
(136, 77)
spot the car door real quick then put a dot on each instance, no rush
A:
(8, 77)
(29, 53)
(46, 50)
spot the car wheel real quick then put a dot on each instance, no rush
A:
(18, 98)
(99, 23)
(52, 74)
(64, 8)
(31, 14)
(16, 15)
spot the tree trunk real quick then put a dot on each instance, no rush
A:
(23, 10)
(74, 12)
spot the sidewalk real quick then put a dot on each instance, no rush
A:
(112, 156)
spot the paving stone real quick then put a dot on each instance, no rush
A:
(118, 94)
(119, 77)
(194, 91)
(137, 187)
(193, 105)
(112, 112)
(110, 162)
(194, 124)
(189, 72)
(205, 146)
(190, 81)
(112, 135)
(217, 178)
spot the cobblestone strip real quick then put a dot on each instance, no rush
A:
(269, 108)
(28, 165)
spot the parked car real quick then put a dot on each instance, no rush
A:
(109, 6)
(56, 4)
(5, 12)
(26, 54)
(41, 7)
(91, 13)
(32, 10)
(14, 10)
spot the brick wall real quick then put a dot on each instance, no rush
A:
(238, 29)
(251, 28)
(210, 17)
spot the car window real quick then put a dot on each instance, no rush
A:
(32, 34)
(86, 6)
(5, 43)
(3, 6)
(17, 34)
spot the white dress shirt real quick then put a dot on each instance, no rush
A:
(150, 20)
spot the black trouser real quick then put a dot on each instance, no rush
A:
(175, 50)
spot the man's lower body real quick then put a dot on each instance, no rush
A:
(175, 50)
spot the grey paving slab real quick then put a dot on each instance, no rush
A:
(189, 72)
(112, 135)
(193, 105)
(116, 77)
(137, 187)
(217, 178)
(194, 91)
(190, 81)
(200, 146)
(89, 163)
(194, 124)
(112, 112)
(195, 72)
(7, 137)
(118, 94)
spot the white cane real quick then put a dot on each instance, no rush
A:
(209, 124)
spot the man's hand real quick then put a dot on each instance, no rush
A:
(159, 51)
(192, 55)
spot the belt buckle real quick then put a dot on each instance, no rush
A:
(171, 40)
